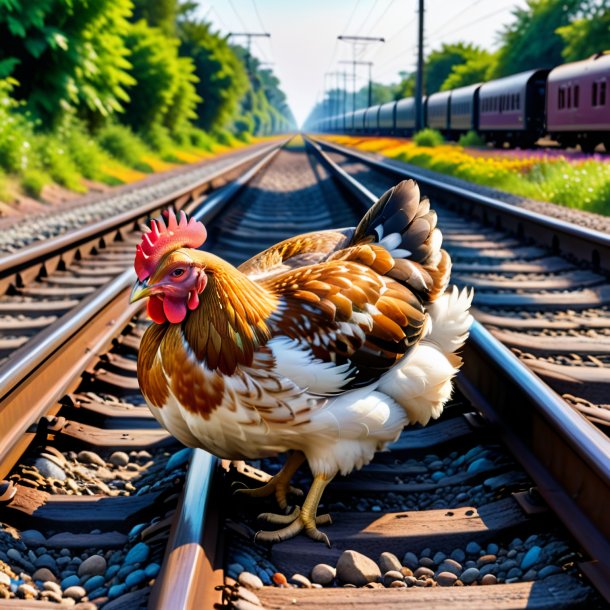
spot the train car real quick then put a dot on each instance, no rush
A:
(404, 122)
(438, 111)
(578, 103)
(358, 126)
(511, 109)
(371, 119)
(387, 117)
(349, 122)
(464, 110)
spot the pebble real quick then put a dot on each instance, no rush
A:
(27, 590)
(389, 561)
(45, 575)
(119, 458)
(531, 557)
(49, 585)
(137, 554)
(484, 559)
(93, 583)
(548, 570)
(14, 554)
(410, 560)
(323, 574)
(49, 469)
(426, 562)
(135, 578)
(279, 579)
(152, 569)
(90, 457)
(46, 561)
(33, 538)
(357, 569)
(439, 557)
(117, 590)
(489, 579)
(92, 566)
(479, 465)
(446, 579)
(473, 548)
(75, 592)
(423, 571)
(252, 581)
(469, 576)
(70, 581)
(450, 565)
(5, 579)
(52, 596)
(397, 584)
(493, 548)
(301, 581)
(180, 458)
(530, 575)
(410, 581)
(125, 571)
(391, 576)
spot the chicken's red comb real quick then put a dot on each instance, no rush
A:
(163, 238)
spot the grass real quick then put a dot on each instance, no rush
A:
(428, 137)
(581, 184)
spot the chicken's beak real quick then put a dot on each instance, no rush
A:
(140, 290)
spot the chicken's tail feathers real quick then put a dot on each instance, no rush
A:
(403, 223)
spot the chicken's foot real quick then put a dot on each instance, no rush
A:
(305, 519)
(280, 483)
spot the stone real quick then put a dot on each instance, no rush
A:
(397, 584)
(90, 457)
(33, 538)
(357, 569)
(44, 575)
(426, 562)
(531, 557)
(5, 579)
(300, 581)
(119, 458)
(112, 571)
(179, 459)
(514, 573)
(116, 590)
(125, 571)
(70, 581)
(152, 569)
(75, 592)
(135, 578)
(14, 554)
(248, 596)
(249, 580)
(469, 576)
(138, 553)
(389, 561)
(493, 548)
(489, 579)
(279, 579)
(46, 561)
(50, 585)
(323, 574)
(410, 581)
(52, 596)
(26, 590)
(93, 583)
(438, 557)
(483, 559)
(446, 579)
(391, 576)
(530, 575)
(450, 565)
(473, 548)
(410, 560)
(92, 566)
(423, 571)
(548, 570)
(479, 466)
(49, 469)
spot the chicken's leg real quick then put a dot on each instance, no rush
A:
(305, 519)
(280, 483)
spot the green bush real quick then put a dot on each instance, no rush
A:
(224, 137)
(124, 145)
(33, 181)
(56, 160)
(428, 137)
(201, 139)
(159, 139)
(84, 150)
(472, 138)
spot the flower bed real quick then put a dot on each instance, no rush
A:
(576, 181)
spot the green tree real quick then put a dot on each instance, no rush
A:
(66, 55)
(161, 14)
(441, 62)
(588, 34)
(532, 41)
(478, 68)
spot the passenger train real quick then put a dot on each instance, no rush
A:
(570, 104)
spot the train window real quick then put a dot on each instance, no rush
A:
(569, 97)
(561, 98)
(602, 93)
(576, 95)
(594, 94)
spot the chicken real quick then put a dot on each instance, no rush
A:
(325, 345)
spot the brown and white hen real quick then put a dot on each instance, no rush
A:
(324, 345)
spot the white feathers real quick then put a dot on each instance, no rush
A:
(391, 241)
(450, 319)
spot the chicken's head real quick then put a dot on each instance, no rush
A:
(168, 273)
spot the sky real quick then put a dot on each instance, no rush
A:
(303, 45)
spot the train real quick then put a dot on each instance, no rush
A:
(569, 104)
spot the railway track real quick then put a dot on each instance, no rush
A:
(451, 496)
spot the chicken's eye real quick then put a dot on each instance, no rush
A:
(179, 272)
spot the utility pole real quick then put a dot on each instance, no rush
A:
(356, 40)
(249, 36)
(370, 65)
(419, 81)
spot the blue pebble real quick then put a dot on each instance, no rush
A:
(135, 578)
(531, 557)
(116, 591)
(70, 581)
(438, 475)
(178, 459)
(548, 570)
(137, 554)
(115, 558)
(480, 465)
(99, 592)
(473, 547)
(136, 529)
(112, 571)
(152, 569)
(125, 571)
(264, 576)
(93, 583)
(492, 548)
(472, 453)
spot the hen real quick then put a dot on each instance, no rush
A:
(324, 345)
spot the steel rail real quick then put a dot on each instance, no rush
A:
(34, 254)
(567, 457)
(580, 242)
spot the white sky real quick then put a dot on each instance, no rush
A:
(304, 46)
